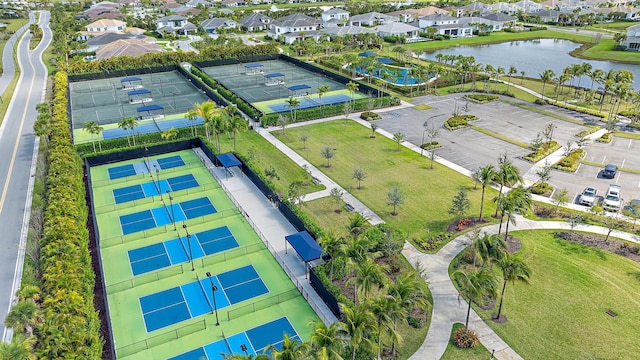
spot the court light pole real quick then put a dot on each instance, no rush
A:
(173, 216)
(158, 177)
(213, 291)
(243, 347)
(184, 226)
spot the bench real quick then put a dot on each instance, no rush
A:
(316, 180)
(349, 208)
(611, 313)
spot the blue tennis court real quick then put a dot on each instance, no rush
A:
(147, 128)
(148, 219)
(142, 167)
(256, 339)
(306, 103)
(176, 251)
(195, 298)
(178, 123)
(148, 189)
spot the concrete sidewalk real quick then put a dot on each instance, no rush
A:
(448, 308)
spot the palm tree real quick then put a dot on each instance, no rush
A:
(23, 316)
(18, 349)
(506, 175)
(356, 250)
(332, 245)
(352, 87)
(517, 200)
(293, 104)
(206, 111)
(407, 291)
(291, 349)
(512, 71)
(514, 269)
(326, 342)
(169, 134)
(386, 310)
(366, 274)
(42, 126)
(321, 91)
(90, 127)
(546, 76)
(219, 124)
(474, 285)
(486, 175)
(236, 125)
(358, 323)
(488, 248)
(192, 115)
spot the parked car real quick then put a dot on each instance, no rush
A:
(633, 207)
(588, 196)
(610, 171)
(612, 199)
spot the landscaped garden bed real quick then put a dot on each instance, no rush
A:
(544, 150)
(570, 162)
(482, 98)
(588, 131)
(459, 121)
(606, 138)
(541, 188)
(370, 116)
(431, 145)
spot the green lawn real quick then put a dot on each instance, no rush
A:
(322, 211)
(262, 153)
(562, 312)
(427, 192)
(455, 353)
(604, 51)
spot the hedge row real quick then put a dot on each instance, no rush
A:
(370, 116)
(588, 131)
(458, 122)
(71, 328)
(576, 108)
(543, 151)
(242, 105)
(570, 162)
(333, 110)
(606, 138)
(481, 98)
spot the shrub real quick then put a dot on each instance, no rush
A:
(370, 115)
(541, 189)
(459, 121)
(482, 98)
(544, 150)
(588, 131)
(429, 243)
(431, 145)
(414, 322)
(570, 162)
(606, 138)
(465, 339)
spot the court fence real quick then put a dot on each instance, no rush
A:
(262, 304)
(160, 339)
(136, 177)
(145, 278)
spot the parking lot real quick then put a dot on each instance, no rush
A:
(470, 148)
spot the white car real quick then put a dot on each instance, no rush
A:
(612, 199)
(588, 196)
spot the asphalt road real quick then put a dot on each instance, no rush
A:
(17, 146)
(9, 67)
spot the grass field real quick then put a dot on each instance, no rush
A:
(562, 311)
(386, 168)
(130, 335)
(455, 353)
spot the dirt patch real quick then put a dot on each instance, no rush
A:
(630, 251)
(513, 244)
(464, 224)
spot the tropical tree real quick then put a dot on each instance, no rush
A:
(366, 275)
(512, 71)
(374, 127)
(23, 316)
(321, 91)
(474, 285)
(514, 269)
(91, 127)
(460, 204)
(358, 223)
(304, 138)
(398, 138)
(386, 310)
(432, 133)
(206, 111)
(359, 175)
(506, 174)
(293, 104)
(517, 200)
(546, 76)
(488, 248)
(333, 245)
(236, 125)
(560, 198)
(220, 123)
(42, 126)
(358, 323)
(192, 116)
(352, 87)
(486, 175)
(292, 349)
(328, 153)
(395, 198)
(283, 121)
(408, 292)
(169, 134)
(326, 342)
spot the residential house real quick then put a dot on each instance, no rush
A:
(335, 13)
(127, 47)
(334, 31)
(398, 29)
(233, 3)
(474, 9)
(546, 16)
(175, 24)
(255, 22)
(372, 19)
(502, 7)
(528, 6)
(425, 11)
(99, 41)
(196, 3)
(186, 11)
(629, 13)
(499, 21)
(101, 26)
(632, 42)
(294, 24)
(103, 10)
(211, 25)
(446, 25)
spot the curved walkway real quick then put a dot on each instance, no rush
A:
(449, 309)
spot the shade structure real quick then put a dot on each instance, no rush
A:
(139, 92)
(274, 75)
(386, 61)
(305, 246)
(255, 65)
(149, 108)
(130, 79)
(228, 160)
(368, 54)
(299, 87)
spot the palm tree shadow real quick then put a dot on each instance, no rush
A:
(635, 274)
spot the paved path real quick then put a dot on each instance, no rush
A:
(18, 147)
(448, 309)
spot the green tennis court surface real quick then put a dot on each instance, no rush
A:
(255, 341)
(159, 308)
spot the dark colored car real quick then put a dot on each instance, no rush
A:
(633, 207)
(610, 171)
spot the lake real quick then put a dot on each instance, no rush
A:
(533, 57)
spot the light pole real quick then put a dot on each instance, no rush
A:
(184, 226)
(243, 347)
(173, 217)
(424, 129)
(213, 291)
(158, 176)
(174, 101)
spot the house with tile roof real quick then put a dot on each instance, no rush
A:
(211, 25)
(372, 19)
(127, 47)
(294, 24)
(335, 13)
(175, 24)
(256, 22)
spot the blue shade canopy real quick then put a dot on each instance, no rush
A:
(274, 75)
(305, 246)
(299, 87)
(228, 160)
(386, 61)
(251, 66)
(149, 108)
(129, 79)
(139, 92)
(368, 54)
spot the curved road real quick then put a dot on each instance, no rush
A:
(17, 146)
